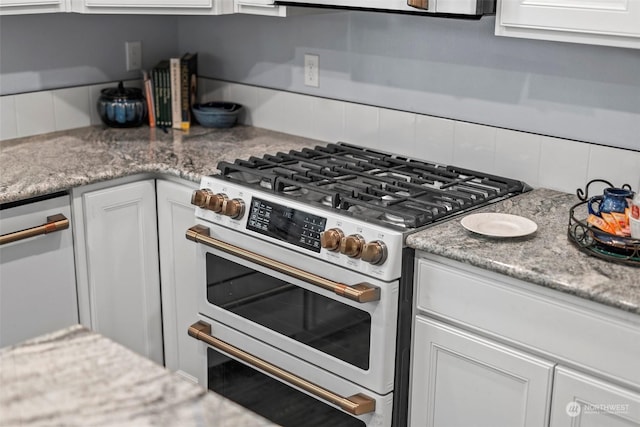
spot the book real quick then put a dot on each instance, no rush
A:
(148, 95)
(175, 85)
(189, 87)
(160, 97)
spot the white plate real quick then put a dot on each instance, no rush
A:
(499, 224)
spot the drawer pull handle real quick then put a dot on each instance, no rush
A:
(54, 223)
(357, 404)
(361, 292)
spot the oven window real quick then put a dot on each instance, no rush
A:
(270, 398)
(323, 323)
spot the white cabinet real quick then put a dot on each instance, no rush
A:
(177, 270)
(20, 7)
(117, 257)
(460, 379)
(602, 22)
(479, 337)
(269, 8)
(159, 7)
(581, 400)
(37, 275)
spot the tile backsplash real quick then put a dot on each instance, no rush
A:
(540, 161)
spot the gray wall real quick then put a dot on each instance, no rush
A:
(443, 67)
(39, 52)
(448, 68)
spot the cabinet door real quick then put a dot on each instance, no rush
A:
(459, 379)
(177, 270)
(37, 274)
(581, 400)
(21, 7)
(172, 7)
(608, 22)
(122, 266)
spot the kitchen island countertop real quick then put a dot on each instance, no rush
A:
(75, 377)
(547, 257)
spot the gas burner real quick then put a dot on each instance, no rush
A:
(384, 188)
(393, 219)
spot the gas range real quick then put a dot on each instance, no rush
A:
(348, 205)
(304, 274)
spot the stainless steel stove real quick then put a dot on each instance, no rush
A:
(304, 267)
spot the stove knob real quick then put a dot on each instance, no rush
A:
(199, 197)
(233, 208)
(215, 202)
(351, 245)
(330, 239)
(374, 252)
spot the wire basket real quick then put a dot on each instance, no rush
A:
(598, 243)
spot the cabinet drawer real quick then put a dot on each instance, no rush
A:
(532, 317)
(581, 400)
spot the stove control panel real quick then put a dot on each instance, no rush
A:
(337, 239)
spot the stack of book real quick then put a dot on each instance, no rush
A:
(170, 89)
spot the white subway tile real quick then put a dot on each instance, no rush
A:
(563, 164)
(434, 139)
(34, 113)
(247, 96)
(71, 108)
(474, 146)
(8, 123)
(396, 133)
(361, 125)
(283, 112)
(615, 165)
(94, 95)
(518, 155)
(328, 119)
(296, 113)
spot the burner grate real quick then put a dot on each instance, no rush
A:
(379, 187)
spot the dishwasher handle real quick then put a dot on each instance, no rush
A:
(54, 223)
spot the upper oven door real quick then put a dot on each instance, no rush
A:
(331, 317)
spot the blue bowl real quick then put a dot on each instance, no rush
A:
(217, 114)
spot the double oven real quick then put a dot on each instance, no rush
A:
(305, 284)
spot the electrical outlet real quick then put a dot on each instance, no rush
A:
(311, 70)
(134, 55)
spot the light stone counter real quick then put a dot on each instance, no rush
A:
(75, 377)
(45, 164)
(546, 258)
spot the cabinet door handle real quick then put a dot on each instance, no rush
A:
(357, 404)
(54, 223)
(361, 292)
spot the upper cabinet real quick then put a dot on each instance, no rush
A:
(600, 22)
(157, 7)
(21, 7)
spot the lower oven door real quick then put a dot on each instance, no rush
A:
(252, 374)
(290, 311)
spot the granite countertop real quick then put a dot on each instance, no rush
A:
(75, 377)
(59, 161)
(546, 258)
(48, 163)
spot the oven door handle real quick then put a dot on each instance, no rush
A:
(357, 404)
(361, 292)
(55, 222)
